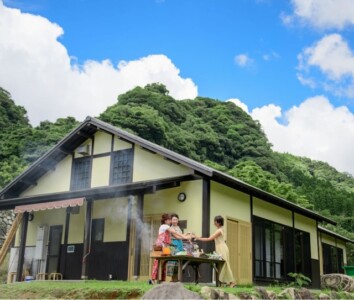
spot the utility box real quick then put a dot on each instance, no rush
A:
(349, 270)
(41, 242)
(84, 149)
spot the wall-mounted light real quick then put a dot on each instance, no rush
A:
(30, 216)
(182, 197)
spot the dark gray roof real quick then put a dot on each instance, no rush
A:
(91, 125)
(334, 234)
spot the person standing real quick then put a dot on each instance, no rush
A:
(164, 239)
(222, 249)
(177, 244)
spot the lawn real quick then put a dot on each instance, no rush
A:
(74, 290)
(92, 289)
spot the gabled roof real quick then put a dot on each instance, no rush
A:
(91, 125)
(334, 234)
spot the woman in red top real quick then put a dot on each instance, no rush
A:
(164, 239)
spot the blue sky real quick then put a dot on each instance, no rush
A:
(289, 64)
(201, 38)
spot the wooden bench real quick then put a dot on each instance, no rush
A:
(11, 277)
(55, 276)
(42, 276)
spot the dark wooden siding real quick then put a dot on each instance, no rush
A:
(104, 259)
(316, 277)
(72, 268)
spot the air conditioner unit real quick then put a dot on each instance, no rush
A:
(84, 150)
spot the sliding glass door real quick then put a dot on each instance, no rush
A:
(279, 250)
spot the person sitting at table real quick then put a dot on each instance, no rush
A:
(164, 239)
(221, 248)
(177, 246)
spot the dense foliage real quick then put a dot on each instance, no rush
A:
(216, 133)
(20, 143)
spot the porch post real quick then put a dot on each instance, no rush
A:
(65, 244)
(253, 239)
(21, 251)
(208, 247)
(87, 239)
(294, 250)
(139, 226)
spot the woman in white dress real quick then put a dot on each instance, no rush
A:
(221, 248)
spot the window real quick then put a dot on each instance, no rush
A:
(279, 249)
(268, 249)
(97, 230)
(81, 173)
(302, 253)
(332, 259)
(122, 165)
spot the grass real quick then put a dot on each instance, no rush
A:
(92, 289)
(3, 269)
(74, 290)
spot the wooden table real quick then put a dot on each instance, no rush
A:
(186, 260)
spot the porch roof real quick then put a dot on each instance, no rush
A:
(49, 205)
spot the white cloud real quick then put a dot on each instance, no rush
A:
(243, 60)
(270, 56)
(39, 73)
(334, 59)
(239, 103)
(322, 14)
(315, 129)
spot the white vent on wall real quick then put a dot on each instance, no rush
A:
(84, 150)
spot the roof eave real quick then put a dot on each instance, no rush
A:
(272, 198)
(336, 235)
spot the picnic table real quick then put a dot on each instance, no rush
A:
(188, 260)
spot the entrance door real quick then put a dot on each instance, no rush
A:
(148, 238)
(239, 241)
(53, 256)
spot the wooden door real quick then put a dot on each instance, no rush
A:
(239, 241)
(149, 233)
(153, 224)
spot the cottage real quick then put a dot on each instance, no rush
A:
(92, 204)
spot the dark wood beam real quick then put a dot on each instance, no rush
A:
(21, 251)
(208, 247)
(66, 238)
(64, 150)
(144, 187)
(28, 182)
(83, 134)
(139, 223)
(87, 239)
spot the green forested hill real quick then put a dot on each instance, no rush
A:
(215, 133)
(20, 143)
